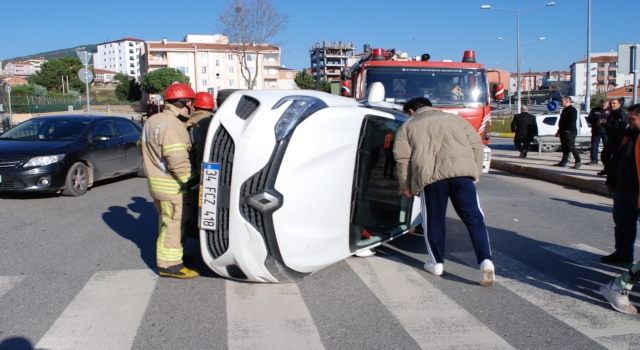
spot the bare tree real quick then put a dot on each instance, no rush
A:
(249, 24)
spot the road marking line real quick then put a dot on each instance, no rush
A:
(8, 282)
(269, 316)
(105, 314)
(432, 319)
(583, 255)
(595, 319)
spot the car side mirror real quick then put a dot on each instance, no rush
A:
(99, 138)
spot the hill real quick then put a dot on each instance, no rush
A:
(49, 55)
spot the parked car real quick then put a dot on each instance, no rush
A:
(548, 126)
(68, 154)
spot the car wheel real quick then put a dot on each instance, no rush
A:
(77, 180)
(549, 147)
(142, 172)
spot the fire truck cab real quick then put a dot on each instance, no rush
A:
(454, 87)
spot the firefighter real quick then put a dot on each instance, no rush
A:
(165, 146)
(202, 115)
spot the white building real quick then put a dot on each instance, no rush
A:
(121, 56)
(604, 74)
(210, 62)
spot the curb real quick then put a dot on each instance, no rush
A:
(503, 134)
(551, 176)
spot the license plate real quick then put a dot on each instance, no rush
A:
(208, 195)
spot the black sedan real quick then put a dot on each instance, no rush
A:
(68, 153)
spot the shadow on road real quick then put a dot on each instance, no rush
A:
(605, 208)
(137, 222)
(16, 343)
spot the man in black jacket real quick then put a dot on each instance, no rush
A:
(567, 133)
(597, 131)
(614, 127)
(526, 128)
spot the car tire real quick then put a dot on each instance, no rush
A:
(77, 181)
(222, 96)
(549, 147)
(142, 172)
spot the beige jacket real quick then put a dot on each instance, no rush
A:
(165, 149)
(433, 146)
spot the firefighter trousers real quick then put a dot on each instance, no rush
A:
(172, 226)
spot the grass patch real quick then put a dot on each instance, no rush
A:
(501, 125)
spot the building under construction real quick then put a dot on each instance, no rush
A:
(328, 59)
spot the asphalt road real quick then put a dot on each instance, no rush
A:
(76, 273)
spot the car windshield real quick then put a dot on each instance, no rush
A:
(443, 86)
(47, 130)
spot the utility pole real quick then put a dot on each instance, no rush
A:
(587, 98)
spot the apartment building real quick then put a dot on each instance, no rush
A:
(37, 62)
(19, 68)
(286, 78)
(604, 74)
(121, 56)
(537, 80)
(211, 63)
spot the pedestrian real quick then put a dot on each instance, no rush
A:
(622, 181)
(614, 127)
(567, 133)
(202, 115)
(439, 156)
(165, 149)
(624, 170)
(526, 129)
(597, 131)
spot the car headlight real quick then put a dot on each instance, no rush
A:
(298, 111)
(44, 160)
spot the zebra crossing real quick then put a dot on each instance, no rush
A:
(107, 312)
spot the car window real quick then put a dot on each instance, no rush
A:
(48, 130)
(550, 120)
(107, 129)
(378, 213)
(127, 128)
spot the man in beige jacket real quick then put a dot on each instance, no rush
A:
(439, 157)
(165, 147)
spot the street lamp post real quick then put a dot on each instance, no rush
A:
(488, 7)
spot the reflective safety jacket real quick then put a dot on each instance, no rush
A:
(165, 149)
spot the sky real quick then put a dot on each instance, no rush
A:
(442, 28)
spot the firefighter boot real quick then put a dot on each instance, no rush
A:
(178, 271)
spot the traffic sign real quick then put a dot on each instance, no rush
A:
(552, 106)
(85, 75)
(84, 56)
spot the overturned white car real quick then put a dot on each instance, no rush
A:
(297, 180)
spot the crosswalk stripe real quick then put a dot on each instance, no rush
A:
(432, 319)
(8, 282)
(269, 316)
(595, 320)
(105, 314)
(584, 255)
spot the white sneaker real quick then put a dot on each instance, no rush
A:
(434, 268)
(488, 273)
(365, 253)
(619, 299)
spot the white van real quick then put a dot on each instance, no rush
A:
(548, 126)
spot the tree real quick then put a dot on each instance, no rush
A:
(249, 24)
(129, 90)
(596, 98)
(304, 80)
(323, 85)
(157, 81)
(51, 73)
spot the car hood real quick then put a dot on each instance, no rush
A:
(9, 148)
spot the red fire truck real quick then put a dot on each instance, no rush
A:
(454, 87)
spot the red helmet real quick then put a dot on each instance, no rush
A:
(204, 100)
(178, 91)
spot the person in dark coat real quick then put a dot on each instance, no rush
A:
(614, 127)
(567, 131)
(526, 128)
(597, 131)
